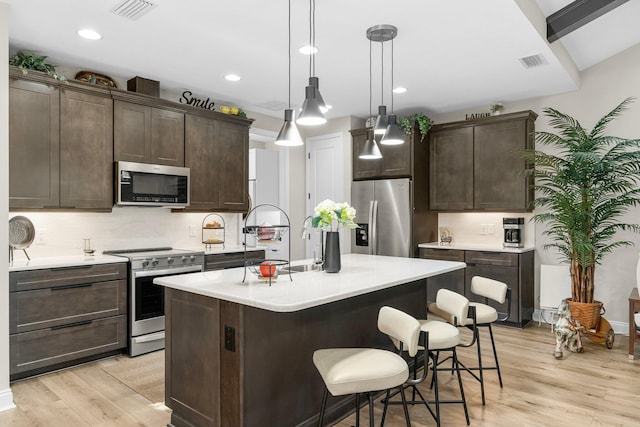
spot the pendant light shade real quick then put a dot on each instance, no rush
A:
(311, 115)
(393, 134)
(313, 107)
(315, 82)
(289, 135)
(370, 151)
(382, 121)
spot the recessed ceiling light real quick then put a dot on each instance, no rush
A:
(232, 77)
(308, 50)
(400, 89)
(89, 34)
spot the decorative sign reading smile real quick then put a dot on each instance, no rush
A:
(188, 98)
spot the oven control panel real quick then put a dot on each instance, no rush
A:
(161, 262)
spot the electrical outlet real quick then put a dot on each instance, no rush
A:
(491, 229)
(229, 338)
(41, 236)
(192, 230)
(484, 229)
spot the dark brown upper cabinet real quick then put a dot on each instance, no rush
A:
(60, 144)
(477, 165)
(34, 144)
(86, 149)
(396, 161)
(147, 134)
(217, 153)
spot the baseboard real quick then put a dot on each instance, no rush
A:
(6, 400)
(548, 316)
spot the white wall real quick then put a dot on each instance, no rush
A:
(603, 86)
(6, 397)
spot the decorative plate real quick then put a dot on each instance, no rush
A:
(21, 232)
(95, 78)
(371, 121)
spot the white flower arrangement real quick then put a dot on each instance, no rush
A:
(330, 215)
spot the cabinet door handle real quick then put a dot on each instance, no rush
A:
(71, 325)
(79, 285)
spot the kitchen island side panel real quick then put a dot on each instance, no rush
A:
(269, 379)
(192, 358)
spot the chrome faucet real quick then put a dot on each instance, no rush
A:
(303, 234)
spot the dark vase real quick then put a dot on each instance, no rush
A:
(332, 252)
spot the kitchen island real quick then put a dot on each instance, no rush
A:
(240, 354)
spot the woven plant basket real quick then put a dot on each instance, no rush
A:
(588, 314)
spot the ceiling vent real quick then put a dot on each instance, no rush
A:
(533, 61)
(133, 9)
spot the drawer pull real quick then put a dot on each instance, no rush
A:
(79, 285)
(71, 325)
(73, 267)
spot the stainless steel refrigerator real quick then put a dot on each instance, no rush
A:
(388, 222)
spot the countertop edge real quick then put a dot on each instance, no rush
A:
(63, 261)
(476, 247)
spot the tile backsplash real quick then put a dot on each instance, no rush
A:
(469, 227)
(62, 233)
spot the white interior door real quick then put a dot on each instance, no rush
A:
(325, 177)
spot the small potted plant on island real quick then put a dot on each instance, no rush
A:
(584, 189)
(329, 216)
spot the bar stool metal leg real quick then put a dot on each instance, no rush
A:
(495, 355)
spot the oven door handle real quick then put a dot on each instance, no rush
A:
(157, 336)
(167, 271)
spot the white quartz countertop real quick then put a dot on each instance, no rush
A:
(62, 261)
(78, 260)
(477, 247)
(360, 274)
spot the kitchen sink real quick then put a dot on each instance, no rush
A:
(300, 268)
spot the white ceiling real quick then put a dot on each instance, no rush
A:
(450, 54)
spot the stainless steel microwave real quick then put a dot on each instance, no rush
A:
(142, 184)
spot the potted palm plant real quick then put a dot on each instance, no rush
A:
(585, 187)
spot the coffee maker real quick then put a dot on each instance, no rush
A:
(513, 232)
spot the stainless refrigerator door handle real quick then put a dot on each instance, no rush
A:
(370, 231)
(374, 227)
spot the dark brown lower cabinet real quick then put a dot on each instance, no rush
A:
(454, 281)
(514, 269)
(59, 317)
(231, 259)
(229, 364)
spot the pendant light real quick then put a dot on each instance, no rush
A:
(370, 150)
(393, 135)
(311, 114)
(381, 33)
(289, 135)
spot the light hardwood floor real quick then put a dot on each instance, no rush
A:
(600, 387)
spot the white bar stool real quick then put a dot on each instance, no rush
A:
(485, 316)
(367, 370)
(440, 336)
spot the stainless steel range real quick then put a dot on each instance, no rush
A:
(146, 299)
